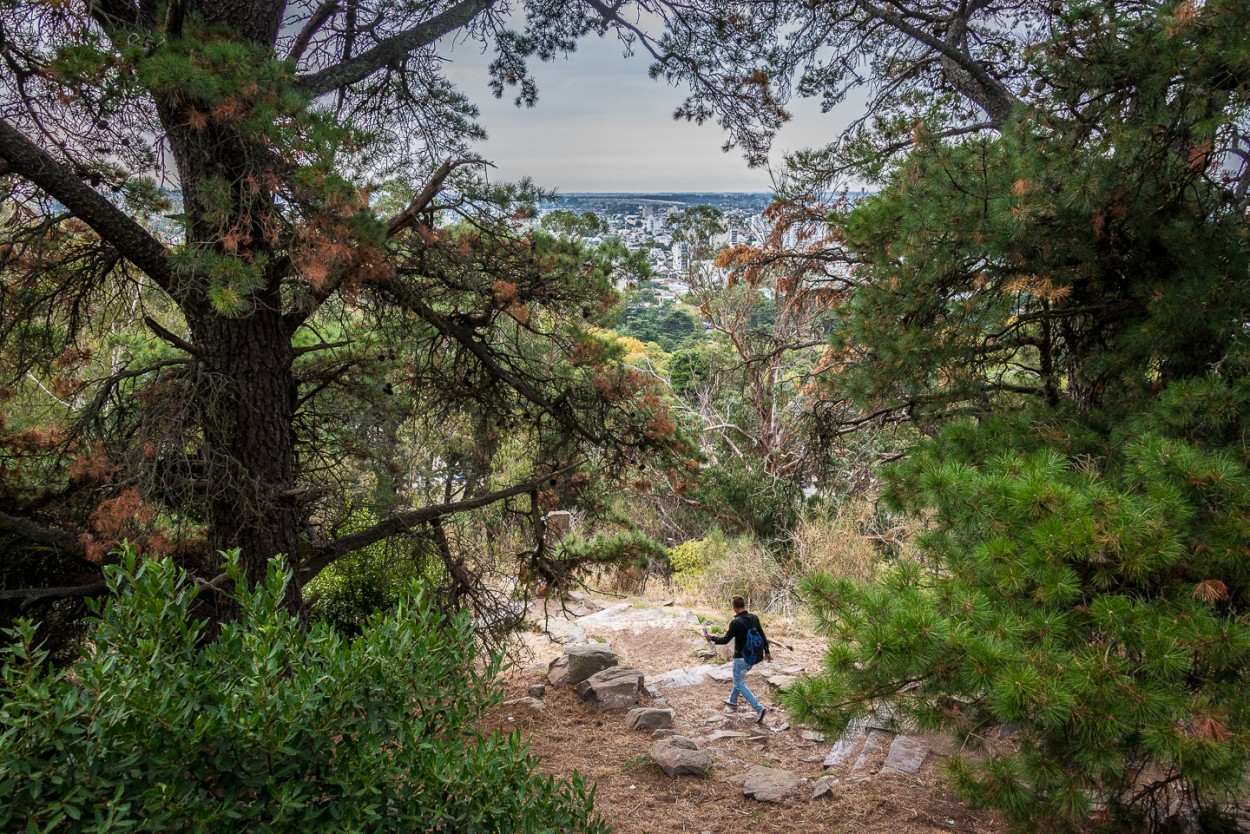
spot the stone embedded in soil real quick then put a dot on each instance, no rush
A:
(766, 784)
(723, 673)
(720, 735)
(679, 756)
(614, 688)
(649, 718)
(557, 627)
(532, 704)
(840, 755)
(537, 691)
(781, 682)
(665, 733)
(678, 678)
(906, 755)
(823, 787)
(873, 746)
(812, 735)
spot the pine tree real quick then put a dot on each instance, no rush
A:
(215, 327)
(1062, 304)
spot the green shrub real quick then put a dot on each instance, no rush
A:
(270, 728)
(374, 580)
(1093, 594)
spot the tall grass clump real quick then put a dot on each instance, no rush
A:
(850, 540)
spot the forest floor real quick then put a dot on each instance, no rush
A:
(635, 797)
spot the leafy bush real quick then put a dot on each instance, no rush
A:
(270, 728)
(716, 567)
(369, 581)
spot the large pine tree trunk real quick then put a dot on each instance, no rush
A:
(248, 403)
(248, 390)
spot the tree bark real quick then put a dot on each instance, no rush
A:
(247, 411)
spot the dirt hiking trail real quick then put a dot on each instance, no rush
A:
(877, 779)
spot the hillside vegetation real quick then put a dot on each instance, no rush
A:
(295, 396)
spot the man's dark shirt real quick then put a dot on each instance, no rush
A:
(737, 631)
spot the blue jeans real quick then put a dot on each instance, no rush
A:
(740, 685)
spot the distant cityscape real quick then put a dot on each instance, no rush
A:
(641, 223)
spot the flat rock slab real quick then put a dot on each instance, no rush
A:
(812, 735)
(622, 617)
(649, 718)
(615, 688)
(560, 629)
(679, 756)
(781, 682)
(720, 735)
(678, 678)
(840, 755)
(822, 788)
(723, 673)
(766, 784)
(906, 755)
(874, 746)
(528, 702)
(886, 717)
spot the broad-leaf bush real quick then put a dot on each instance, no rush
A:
(269, 728)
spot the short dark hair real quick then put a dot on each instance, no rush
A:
(738, 602)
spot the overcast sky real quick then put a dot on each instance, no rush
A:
(602, 125)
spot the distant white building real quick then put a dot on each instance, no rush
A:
(681, 257)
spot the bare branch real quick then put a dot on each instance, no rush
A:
(408, 298)
(301, 351)
(29, 595)
(326, 11)
(404, 522)
(408, 216)
(109, 222)
(393, 50)
(174, 339)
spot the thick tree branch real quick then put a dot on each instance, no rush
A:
(391, 51)
(130, 239)
(327, 10)
(323, 556)
(408, 216)
(29, 595)
(987, 91)
(170, 337)
(35, 532)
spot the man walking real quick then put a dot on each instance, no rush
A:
(750, 645)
